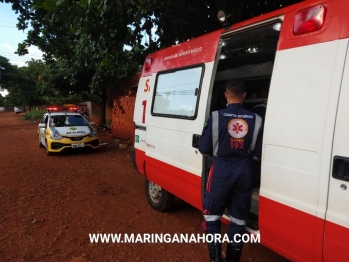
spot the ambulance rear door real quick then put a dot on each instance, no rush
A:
(175, 115)
(336, 244)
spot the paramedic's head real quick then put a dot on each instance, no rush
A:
(235, 91)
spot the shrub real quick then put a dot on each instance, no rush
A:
(34, 115)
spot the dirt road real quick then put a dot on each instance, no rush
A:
(50, 204)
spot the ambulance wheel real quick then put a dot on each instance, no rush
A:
(47, 150)
(40, 144)
(158, 198)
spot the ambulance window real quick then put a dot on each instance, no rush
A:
(176, 93)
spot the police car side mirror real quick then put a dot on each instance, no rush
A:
(41, 125)
(92, 123)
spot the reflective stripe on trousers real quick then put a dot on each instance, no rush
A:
(212, 217)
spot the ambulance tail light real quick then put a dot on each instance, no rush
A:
(309, 19)
(147, 64)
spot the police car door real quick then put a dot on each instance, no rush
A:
(42, 130)
(336, 244)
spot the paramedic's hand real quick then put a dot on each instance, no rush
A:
(205, 154)
(254, 158)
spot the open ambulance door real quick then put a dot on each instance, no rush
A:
(170, 119)
(336, 244)
(247, 53)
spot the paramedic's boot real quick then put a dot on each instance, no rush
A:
(234, 252)
(215, 250)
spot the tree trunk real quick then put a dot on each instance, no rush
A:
(103, 96)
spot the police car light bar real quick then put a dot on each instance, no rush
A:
(51, 108)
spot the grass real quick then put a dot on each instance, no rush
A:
(34, 115)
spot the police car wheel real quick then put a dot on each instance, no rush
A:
(158, 198)
(47, 151)
(40, 144)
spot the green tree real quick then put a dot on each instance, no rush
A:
(58, 88)
(8, 73)
(87, 38)
(84, 37)
(22, 83)
(179, 20)
(2, 101)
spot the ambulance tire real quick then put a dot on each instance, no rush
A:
(159, 199)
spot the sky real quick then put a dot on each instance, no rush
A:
(10, 36)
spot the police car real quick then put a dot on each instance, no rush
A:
(59, 130)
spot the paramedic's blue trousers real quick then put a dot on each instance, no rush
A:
(229, 185)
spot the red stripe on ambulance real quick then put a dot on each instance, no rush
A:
(296, 58)
(183, 184)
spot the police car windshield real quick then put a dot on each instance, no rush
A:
(67, 120)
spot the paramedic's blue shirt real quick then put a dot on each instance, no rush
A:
(232, 132)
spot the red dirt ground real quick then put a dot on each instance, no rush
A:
(50, 204)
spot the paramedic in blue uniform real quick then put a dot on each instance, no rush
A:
(232, 137)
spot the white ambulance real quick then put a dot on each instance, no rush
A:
(297, 59)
